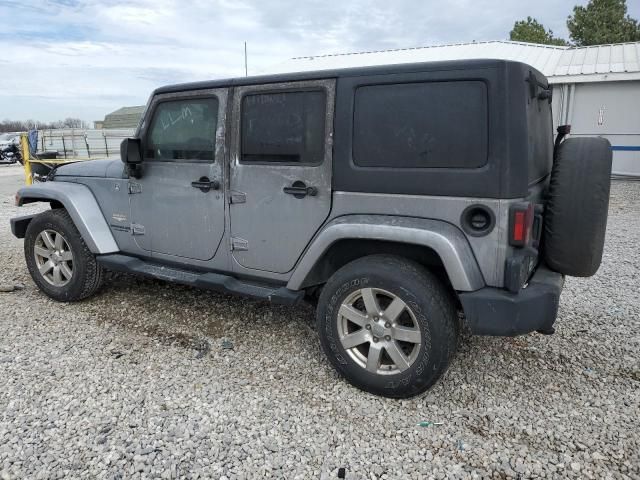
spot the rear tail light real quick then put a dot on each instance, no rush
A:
(521, 223)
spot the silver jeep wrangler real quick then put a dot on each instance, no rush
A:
(402, 199)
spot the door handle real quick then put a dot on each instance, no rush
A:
(204, 184)
(300, 190)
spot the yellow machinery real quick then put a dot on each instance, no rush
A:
(27, 160)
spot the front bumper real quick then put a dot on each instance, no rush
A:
(497, 312)
(19, 225)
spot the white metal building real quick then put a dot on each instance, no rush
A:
(595, 89)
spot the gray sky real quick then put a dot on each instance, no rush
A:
(85, 58)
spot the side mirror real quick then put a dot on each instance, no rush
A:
(131, 156)
(130, 151)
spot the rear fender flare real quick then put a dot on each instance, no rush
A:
(445, 239)
(82, 206)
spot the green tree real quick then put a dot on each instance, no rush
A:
(602, 21)
(532, 31)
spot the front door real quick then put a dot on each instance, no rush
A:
(280, 171)
(177, 206)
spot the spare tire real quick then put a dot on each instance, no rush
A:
(576, 213)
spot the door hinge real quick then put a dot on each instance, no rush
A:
(237, 197)
(239, 244)
(134, 187)
(137, 229)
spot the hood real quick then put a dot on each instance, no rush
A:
(92, 168)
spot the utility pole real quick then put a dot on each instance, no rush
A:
(245, 60)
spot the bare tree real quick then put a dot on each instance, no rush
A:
(74, 123)
(25, 125)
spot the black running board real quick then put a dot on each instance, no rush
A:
(207, 280)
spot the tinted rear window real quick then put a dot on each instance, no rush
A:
(540, 139)
(421, 125)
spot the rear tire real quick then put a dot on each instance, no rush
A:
(59, 261)
(576, 213)
(388, 325)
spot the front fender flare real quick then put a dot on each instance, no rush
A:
(445, 239)
(83, 208)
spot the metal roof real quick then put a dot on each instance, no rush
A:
(137, 110)
(125, 117)
(560, 64)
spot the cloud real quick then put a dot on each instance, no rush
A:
(86, 58)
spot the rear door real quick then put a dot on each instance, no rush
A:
(280, 172)
(177, 206)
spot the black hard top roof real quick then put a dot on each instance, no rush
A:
(336, 73)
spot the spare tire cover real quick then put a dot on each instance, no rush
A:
(576, 212)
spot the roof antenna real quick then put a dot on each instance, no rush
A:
(245, 60)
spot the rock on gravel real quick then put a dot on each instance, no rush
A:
(176, 402)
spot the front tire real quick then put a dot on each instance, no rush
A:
(59, 261)
(387, 325)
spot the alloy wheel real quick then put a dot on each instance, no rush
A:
(379, 331)
(54, 258)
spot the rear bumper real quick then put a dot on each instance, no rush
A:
(493, 311)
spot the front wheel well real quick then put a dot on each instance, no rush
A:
(347, 250)
(52, 203)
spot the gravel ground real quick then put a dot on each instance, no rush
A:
(151, 380)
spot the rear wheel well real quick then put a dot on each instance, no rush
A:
(345, 251)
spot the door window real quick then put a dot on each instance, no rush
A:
(283, 128)
(183, 130)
